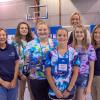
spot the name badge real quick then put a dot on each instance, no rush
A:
(62, 67)
(63, 64)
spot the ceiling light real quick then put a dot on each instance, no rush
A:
(5, 0)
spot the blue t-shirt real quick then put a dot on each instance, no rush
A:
(62, 78)
(36, 53)
(8, 56)
(97, 63)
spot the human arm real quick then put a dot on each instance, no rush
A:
(72, 82)
(91, 58)
(52, 84)
(91, 74)
(16, 73)
(5, 84)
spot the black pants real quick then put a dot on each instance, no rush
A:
(39, 89)
(54, 97)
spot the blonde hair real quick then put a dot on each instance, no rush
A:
(84, 41)
(93, 40)
(40, 22)
(73, 14)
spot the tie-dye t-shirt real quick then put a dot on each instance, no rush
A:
(36, 53)
(20, 49)
(62, 79)
(86, 56)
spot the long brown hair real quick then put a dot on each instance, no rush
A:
(84, 41)
(93, 40)
(18, 35)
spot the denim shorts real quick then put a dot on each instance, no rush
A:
(82, 81)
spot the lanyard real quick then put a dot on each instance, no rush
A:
(42, 48)
(65, 65)
(64, 54)
(43, 58)
(21, 49)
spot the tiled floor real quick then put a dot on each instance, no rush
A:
(26, 95)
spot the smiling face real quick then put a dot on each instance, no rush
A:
(23, 29)
(75, 19)
(43, 31)
(62, 36)
(80, 37)
(79, 34)
(97, 35)
(3, 37)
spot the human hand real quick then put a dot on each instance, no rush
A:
(66, 93)
(23, 77)
(13, 83)
(87, 90)
(6, 84)
(58, 94)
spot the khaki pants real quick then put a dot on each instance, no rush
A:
(96, 88)
(21, 89)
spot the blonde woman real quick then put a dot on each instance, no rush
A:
(75, 20)
(36, 53)
(87, 58)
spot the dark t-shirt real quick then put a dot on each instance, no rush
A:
(97, 63)
(8, 56)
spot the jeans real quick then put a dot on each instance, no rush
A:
(8, 94)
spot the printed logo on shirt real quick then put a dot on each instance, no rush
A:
(12, 54)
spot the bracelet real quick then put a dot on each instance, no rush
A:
(68, 90)
(21, 75)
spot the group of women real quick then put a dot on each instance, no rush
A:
(54, 69)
